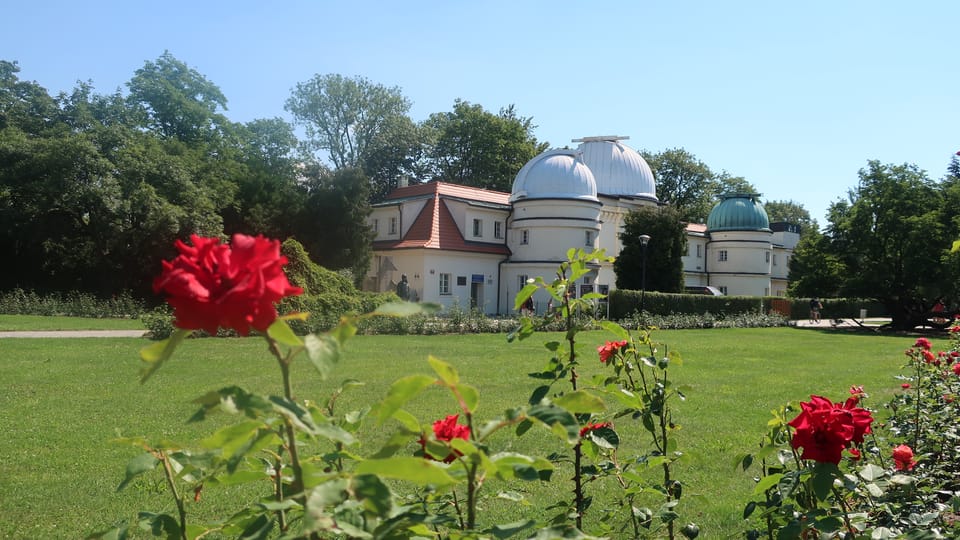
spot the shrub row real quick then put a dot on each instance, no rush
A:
(625, 303)
(71, 304)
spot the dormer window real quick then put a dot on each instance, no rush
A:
(477, 228)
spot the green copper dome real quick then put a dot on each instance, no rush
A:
(738, 212)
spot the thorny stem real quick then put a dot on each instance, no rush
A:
(667, 482)
(456, 506)
(577, 450)
(284, 361)
(278, 491)
(168, 472)
(916, 405)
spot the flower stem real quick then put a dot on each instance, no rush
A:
(168, 473)
(284, 362)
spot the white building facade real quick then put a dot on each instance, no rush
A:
(476, 248)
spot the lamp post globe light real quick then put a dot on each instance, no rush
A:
(644, 240)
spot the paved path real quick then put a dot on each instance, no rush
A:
(74, 334)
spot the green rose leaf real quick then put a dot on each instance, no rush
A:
(160, 525)
(579, 402)
(766, 483)
(823, 476)
(280, 331)
(468, 396)
(618, 331)
(156, 354)
(323, 352)
(401, 391)
(559, 420)
(417, 470)
(145, 462)
(506, 530)
(447, 373)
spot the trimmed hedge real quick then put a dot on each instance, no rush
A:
(625, 303)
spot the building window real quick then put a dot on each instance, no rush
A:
(524, 237)
(699, 248)
(444, 284)
(723, 289)
(498, 230)
(767, 253)
(477, 228)
(774, 259)
(393, 225)
(376, 226)
(522, 281)
(588, 238)
(722, 255)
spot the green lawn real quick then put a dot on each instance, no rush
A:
(64, 400)
(34, 322)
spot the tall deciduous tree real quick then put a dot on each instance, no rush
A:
(668, 243)
(343, 117)
(178, 101)
(478, 148)
(791, 212)
(891, 239)
(333, 224)
(684, 182)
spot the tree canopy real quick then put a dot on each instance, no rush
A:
(474, 147)
(667, 244)
(889, 240)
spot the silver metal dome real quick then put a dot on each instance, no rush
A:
(555, 174)
(617, 169)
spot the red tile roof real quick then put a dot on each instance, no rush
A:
(451, 190)
(435, 228)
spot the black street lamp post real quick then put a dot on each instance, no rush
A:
(644, 240)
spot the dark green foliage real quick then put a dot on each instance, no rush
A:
(333, 224)
(475, 147)
(327, 295)
(890, 241)
(70, 304)
(625, 303)
(668, 243)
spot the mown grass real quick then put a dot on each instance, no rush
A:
(64, 400)
(9, 323)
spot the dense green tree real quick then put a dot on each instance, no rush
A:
(397, 152)
(726, 183)
(179, 103)
(791, 212)
(268, 192)
(475, 147)
(25, 105)
(333, 223)
(684, 182)
(668, 243)
(814, 270)
(344, 116)
(890, 239)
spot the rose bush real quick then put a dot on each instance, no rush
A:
(428, 478)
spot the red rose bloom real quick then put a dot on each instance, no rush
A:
(211, 285)
(591, 427)
(903, 458)
(905, 385)
(824, 429)
(956, 369)
(928, 357)
(446, 430)
(923, 343)
(609, 349)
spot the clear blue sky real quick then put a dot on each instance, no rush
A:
(794, 96)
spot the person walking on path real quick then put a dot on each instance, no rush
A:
(815, 307)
